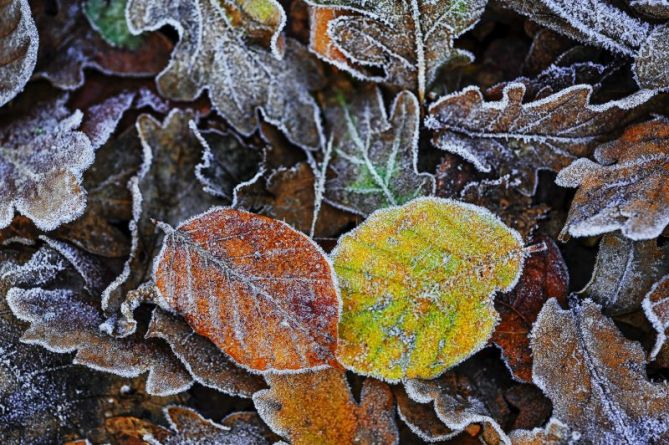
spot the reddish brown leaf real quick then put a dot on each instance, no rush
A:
(261, 291)
(545, 276)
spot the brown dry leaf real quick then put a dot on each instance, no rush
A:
(127, 430)
(545, 276)
(651, 68)
(18, 47)
(242, 79)
(518, 139)
(320, 42)
(656, 307)
(624, 272)
(258, 289)
(208, 365)
(409, 40)
(318, 407)
(554, 433)
(627, 189)
(596, 378)
(421, 418)
(69, 45)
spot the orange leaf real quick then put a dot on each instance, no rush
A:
(263, 292)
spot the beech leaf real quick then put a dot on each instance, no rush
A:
(596, 378)
(318, 407)
(18, 47)
(625, 189)
(259, 290)
(417, 284)
(513, 137)
(375, 157)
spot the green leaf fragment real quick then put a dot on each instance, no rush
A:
(107, 17)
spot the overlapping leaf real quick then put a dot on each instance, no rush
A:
(18, 47)
(626, 189)
(416, 283)
(409, 39)
(512, 137)
(261, 291)
(656, 307)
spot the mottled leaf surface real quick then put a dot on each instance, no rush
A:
(417, 284)
(512, 137)
(241, 79)
(375, 156)
(18, 47)
(596, 378)
(318, 407)
(261, 291)
(650, 65)
(554, 433)
(627, 189)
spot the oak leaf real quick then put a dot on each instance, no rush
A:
(259, 290)
(517, 138)
(318, 407)
(626, 189)
(18, 47)
(417, 284)
(596, 378)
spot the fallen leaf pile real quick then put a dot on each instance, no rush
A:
(334, 222)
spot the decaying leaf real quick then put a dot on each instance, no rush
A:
(409, 40)
(656, 307)
(258, 289)
(417, 284)
(42, 159)
(421, 418)
(318, 407)
(653, 8)
(596, 378)
(650, 65)
(18, 47)
(242, 79)
(544, 276)
(554, 433)
(68, 319)
(626, 189)
(205, 362)
(516, 138)
(624, 272)
(375, 157)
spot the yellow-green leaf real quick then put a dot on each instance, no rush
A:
(417, 283)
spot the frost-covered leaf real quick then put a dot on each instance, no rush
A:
(42, 159)
(18, 47)
(107, 17)
(554, 433)
(656, 307)
(516, 138)
(421, 418)
(409, 40)
(626, 188)
(318, 407)
(69, 45)
(241, 78)
(205, 362)
(375, 156)
(596, 378)
(66, 319)
(651, 66)
(417, 284)
(258, 289)
(653, 8)
(165, 189)
(624, 272)
(545, 276)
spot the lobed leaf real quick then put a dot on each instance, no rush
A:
(417, 284)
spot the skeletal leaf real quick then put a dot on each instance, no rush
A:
(206, 363)
(318, 407)
(42, 159)
(375, 157)
(624, 272)
(70, 43)
(212, 54)
(545, 276)
(259, 290)
(409, 40)
(512, 137)
(626, 189)
(596, 378)
(417, 284)
(554, 433)
(18, 47)
(66, 319)
(656, 307)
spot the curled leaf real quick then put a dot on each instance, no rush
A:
(259, 290)
(416, 283)
(656, 307)
(18, 47)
